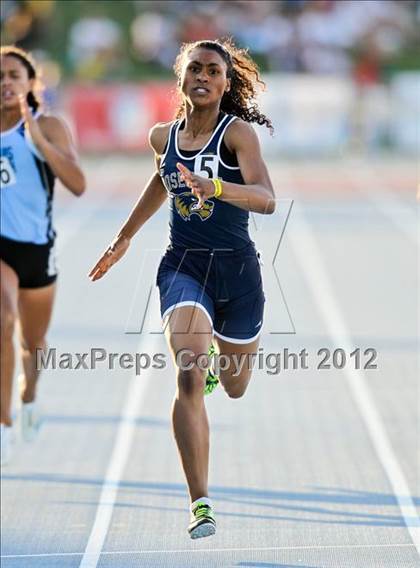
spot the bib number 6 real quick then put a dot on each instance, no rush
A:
(7, 173)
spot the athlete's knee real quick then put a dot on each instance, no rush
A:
(236, 390)
(8, 318)
(236, 393)
(190, 381)
(33, 344)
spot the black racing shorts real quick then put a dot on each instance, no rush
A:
(225, 285)
(35, 265)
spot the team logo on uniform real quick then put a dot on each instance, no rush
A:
(185, 202)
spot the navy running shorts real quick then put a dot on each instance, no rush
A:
(226, 285)
(35, 265)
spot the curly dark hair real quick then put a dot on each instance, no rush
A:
(34, 97)
(244, 77)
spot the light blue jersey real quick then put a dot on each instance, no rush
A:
(26, 189)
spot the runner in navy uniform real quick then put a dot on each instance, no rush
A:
(35, 149)
(210, 167)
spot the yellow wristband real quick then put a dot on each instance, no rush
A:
(217, 187)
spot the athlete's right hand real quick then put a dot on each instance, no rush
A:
(113, 253)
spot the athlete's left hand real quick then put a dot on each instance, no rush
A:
(30, 123)
(201, 187)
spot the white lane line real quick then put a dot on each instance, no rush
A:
(199, 551)
(312, 265)
(135, 398)
(374, 188)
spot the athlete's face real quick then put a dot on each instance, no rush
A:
(14, 80)
(204, 80)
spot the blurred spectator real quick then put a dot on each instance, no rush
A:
(153, 38)
(261, 27)
(197, 25)
(94, 49)
(323, 39)
(24, 22)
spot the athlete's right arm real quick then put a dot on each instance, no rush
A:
(151, 199)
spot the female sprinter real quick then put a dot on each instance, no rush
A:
(35, 148)
(208, 162)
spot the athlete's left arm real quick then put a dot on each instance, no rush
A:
(52, 137)
(56, 145)
(257, 194)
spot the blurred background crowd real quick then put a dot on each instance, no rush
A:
(129, 39)
(351, 65)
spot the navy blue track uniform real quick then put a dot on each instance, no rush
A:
(211, 261)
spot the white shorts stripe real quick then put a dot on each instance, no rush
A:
(234, 340)
(187, 303)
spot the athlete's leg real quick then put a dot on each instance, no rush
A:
(236, 377)
(9, 312)
(189, 328)
(35, 309)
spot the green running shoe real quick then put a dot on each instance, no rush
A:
(212, 380)
(202, 522)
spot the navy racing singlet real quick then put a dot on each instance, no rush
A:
(26, 189)
(218, 224)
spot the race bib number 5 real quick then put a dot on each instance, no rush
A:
(8, 176)
(206, 166)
